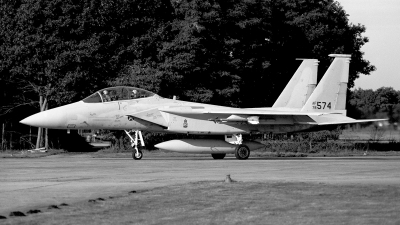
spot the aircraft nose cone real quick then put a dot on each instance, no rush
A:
(34, 120)
(46, 119)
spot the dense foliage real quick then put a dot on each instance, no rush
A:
(234, 51)
(382, 103)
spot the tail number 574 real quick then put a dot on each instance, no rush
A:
(322, 105)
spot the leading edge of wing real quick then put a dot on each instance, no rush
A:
(235, 111)
(152, 116)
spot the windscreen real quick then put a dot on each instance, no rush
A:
(94, 98)
(117, 94)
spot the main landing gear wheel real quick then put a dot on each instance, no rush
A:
(219, 156)
(242, 152)
(136, 155)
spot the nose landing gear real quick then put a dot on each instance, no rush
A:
(136, 154)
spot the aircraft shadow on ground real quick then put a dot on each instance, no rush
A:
(74, 142)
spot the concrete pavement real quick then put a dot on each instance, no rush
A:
(36, 182)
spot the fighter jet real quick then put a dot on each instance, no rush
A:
(300, 107)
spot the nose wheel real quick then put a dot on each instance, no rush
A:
(136, 154)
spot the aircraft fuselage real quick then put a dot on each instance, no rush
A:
(144, 114)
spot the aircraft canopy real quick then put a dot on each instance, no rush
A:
(118, 93)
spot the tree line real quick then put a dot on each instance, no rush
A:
(235, 53)
(381, 103)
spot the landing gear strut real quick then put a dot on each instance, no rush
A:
(136, 154)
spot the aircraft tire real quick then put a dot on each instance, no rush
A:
(137, 157)
(218, 156)
(242, 152)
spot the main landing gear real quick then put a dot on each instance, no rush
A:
(241, 151)
(136, 154)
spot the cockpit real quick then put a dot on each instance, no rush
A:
(118, 93)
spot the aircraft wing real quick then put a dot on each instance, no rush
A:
(254, 115)
(237, 111)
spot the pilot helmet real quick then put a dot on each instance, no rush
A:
(134, 92)
(105, 92)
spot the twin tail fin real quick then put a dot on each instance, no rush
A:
(330, 94)
(300, 86)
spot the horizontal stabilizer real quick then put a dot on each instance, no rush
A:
(354, 121)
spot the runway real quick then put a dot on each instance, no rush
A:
(35, 182)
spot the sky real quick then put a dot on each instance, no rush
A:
(382, 21)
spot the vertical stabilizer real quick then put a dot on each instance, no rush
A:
(300, 86)
(330, 94)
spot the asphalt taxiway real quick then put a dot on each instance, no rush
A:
(35, 182)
